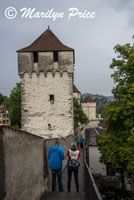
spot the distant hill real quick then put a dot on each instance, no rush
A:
(100, 100)
(111, 98)
(97, 96)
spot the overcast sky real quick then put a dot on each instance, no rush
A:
(93, 39)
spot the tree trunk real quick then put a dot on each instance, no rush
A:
(122, 179)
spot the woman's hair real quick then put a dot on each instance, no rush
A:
(74, 144)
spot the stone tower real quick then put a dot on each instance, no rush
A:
(46, 71)
(89, 107)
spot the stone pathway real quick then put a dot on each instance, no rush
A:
(64, 196)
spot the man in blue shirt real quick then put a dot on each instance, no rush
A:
(81, 142)
(55, 157)
(78, 140)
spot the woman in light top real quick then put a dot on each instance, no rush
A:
(73, 165)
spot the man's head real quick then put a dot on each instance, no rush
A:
(57, 141)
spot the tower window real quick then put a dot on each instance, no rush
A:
(51, 98)
(55, 55)
(49, 126)
(35, 55)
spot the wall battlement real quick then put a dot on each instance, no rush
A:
(55, 73)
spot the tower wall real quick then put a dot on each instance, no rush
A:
(40, 115)
(90, 110)
(45, 62)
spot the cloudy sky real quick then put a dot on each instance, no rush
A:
(93, 39)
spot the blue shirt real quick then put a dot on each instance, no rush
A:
(78, 139)
(81, 139)
(55, 157)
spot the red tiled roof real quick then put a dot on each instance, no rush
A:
(2, 107)
(75, 90)
(47, 41)
(88, 100)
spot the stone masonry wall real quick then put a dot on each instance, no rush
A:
(94, 123)
(24, 173)
(2, 166)
(37, 109)
(45, 62)
(39, 81)
(23, 165)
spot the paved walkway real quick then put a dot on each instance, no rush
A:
(64, 196)
(73, 195)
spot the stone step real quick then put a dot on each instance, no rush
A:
(64, 196)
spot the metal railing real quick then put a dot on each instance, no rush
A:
(92, 191)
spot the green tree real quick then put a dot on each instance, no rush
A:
(117, 143)
(13, 103)
(100, 109)
(2, 99)
(79, 115)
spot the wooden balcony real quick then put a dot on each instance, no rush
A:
(4, 119)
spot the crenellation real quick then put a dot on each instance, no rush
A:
(29, 75)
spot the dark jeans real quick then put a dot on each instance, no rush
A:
(58, 173)
(81, 145)
(75, 171)
(78, 144)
